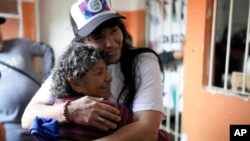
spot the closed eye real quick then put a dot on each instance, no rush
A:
(99, 73)
(115, 29)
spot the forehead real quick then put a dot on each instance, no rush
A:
(102, 30)
(101, 65)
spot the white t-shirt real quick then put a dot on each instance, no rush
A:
(148, 97)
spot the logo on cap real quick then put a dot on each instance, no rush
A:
(90, 8)
(94, 5)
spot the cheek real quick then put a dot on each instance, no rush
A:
(100, 81)
(96, 83)
(119, 37)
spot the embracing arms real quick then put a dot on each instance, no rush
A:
(144, 128)
(147, 108)
(82, 111)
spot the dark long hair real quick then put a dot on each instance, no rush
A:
(129, 62)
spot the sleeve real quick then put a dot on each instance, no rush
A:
(44, 94)
(149, 95)
(39, 49)
(167, 57)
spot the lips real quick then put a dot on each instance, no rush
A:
(106, 87)
(110, 53)
(105, 91)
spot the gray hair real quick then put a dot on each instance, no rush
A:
(76, 61)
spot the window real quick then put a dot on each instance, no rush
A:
(229, 63)
(8, 6)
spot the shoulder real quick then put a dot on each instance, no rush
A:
(148, 55)
(147, 58)
(24, 40)
(143, 53)
(140, 56)
(148, 63)
(13, 43)
(11, 40)
(18, 40)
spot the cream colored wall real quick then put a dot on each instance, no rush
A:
(128, 5)
(134, 11)
(55, 28)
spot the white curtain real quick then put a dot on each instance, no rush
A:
(166, 32)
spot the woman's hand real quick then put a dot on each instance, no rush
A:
(90, 111)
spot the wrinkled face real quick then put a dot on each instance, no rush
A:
(96, 82)
(1, 40)
(108, 39)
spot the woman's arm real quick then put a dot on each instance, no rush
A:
(41, 109)
(168, 57)
(83, 111)
(144, 128)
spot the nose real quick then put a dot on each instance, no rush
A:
(109, 40)
(108, 77)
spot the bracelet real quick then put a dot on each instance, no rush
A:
(65, 107)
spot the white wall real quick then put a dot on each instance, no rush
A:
(55, 27)
(128, 5)
(54, 24)
(28, 0)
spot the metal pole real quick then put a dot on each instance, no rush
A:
(228, 43)
(246, 53)
(211, 62)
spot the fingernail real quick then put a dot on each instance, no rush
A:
(118, 112)
(114, 126)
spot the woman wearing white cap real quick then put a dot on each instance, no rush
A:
(136, 79)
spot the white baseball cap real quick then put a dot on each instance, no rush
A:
(87, 15)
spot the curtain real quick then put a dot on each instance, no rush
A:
(166, 29)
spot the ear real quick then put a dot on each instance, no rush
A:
(74, 84)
